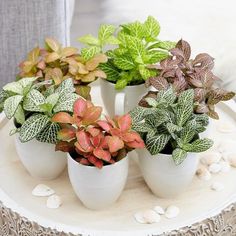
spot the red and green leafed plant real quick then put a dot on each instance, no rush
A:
(184, 73)
(93, 141)
(57, 63)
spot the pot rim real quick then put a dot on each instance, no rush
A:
(127, 86)
(94, 167)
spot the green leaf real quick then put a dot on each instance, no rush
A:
(136, 47)
(179, 155)
(152, 27)
(157, 143)
(20, 115)
(139, 113)
(183, 113)
(32, 127)
(151, 102)
(67, 86)
(136, 29)
(33, 100)
(156, 56)
(25, 82)
(120, 84)
(199, 145)
(89, 52)
(166, 45)
(89, 40)
(187, 134)
(49, 133)
(66, 102)
(14, 87)
(52, 99)
(167, 95)
(112, 40)
(141, 128)
(50, 90)
(105, 31)
(111, 71)
(124, 62)
(146, 73)
(186, 97)
(172, 128)
(11, 104)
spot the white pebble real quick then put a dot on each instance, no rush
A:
(159, 210)
(225, 166)
(209, 158)
(42, 190)
(214, 168)
(232, 159)
(147, 217)
(217, 186)
(203, 173)
(53, 202)
(172, 212)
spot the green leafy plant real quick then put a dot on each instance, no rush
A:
(57, 63)
(138, 47)
(92, 141)
(33, 109)
(170, 125)
(184, 73)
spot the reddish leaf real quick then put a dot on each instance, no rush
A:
(64, 146)
(136, 144)
(97, 140)
(95, 161)
(185, 48)
(62, 117)
(93, 131)
(110, 121)
(124, 122)
(102, 154)
(84, 161)
(104, 125)
(115, 132)
(159, 83)
(114, 143)
(66, 134)
(202, 108)
(80, 107)
(83, 141)
(91, 115)
(52, 44)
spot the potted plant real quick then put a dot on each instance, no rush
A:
(183, 73)
(97, 152)
(32, 108)
(127, 65)
(170, 130)
(57, 63)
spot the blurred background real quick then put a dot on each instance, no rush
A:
(209, 26)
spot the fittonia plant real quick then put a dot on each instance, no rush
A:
(138, 47)
(32, 109)
(183, 73)
(170, 125)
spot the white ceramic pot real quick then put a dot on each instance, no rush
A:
(163, 177)
(119, 102)
(40, 159)
(98, 188)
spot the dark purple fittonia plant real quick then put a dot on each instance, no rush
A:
(183, 73)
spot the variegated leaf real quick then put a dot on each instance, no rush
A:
(25, 82)
(66, 102)
(52, 99)
(20, 115)
(14, 87)
(49, 133)
(179, 155)
(33, 126)
(185, 48)
(152, 27)
(139, 113)
(186, 97)
(67, 86)
(168, 95)
(33, 100)
(11, 104)
(187, 134)
(200, 145)
(157, 143)
(183, 113)
(151, 102)
(159, 83)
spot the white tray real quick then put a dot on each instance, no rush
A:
(198, 203)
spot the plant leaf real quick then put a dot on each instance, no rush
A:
(89, 52)
(32, 127)
(104, 33)
(179, 155)
(20, 115)
(13, 87)
(11, 104)
(199, 145)
(157, 143)
(152, 27)
(124, 62)
(65, 102)
(52, 44)
(89, 40)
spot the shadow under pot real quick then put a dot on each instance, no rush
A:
(40, 159)
(119, 102)
(98, 188)
(163, 176)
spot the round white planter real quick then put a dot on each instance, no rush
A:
(120, 102)
(98, 188)
(163, 177)
(40, 159)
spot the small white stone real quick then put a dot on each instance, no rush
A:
(232, 159)
(54, 201)
(217, 186)
(159, 210)
(42, 190)
(224, 127)
(147, 217)
(203, 173)
(209, 158)
(225, 166)
(172, 212)
(214, 168)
